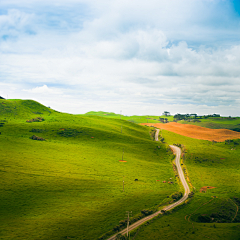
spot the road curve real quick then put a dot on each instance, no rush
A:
(177, 152)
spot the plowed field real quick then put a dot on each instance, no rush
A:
(219, 135)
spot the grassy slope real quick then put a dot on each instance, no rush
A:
(134, 119)
(208, 165)
(212, 122)
(217, 123)
(71, 184)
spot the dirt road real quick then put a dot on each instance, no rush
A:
(176, 151)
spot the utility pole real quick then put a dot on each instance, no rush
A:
(128, 222)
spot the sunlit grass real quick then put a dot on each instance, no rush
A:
(208, 164)
(71, 184)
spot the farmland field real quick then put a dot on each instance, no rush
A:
(197, 132)
(232, 123)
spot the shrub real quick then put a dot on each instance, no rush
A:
(176, 196)
(205, 219)
(37, 119)
(191, 194)
(37, 130)
(120, 237)
(146, 212)
(34, 137)
(123, 223)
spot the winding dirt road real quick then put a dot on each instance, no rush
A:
(177, 152)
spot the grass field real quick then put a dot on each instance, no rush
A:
(232, 123)
(70, 186)
(212, 214)
(133, 119)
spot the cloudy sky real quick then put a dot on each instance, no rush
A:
(138, 56)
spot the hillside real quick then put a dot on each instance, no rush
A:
(69, 185)
(133, 119)
(213, 171)
(231, 123)
(17, 108)
(213, 211)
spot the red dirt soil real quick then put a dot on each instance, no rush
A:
(204, 189)
(219, 135)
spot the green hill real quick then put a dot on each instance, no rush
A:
(69, 185)
(16, 108)
(133, 119)
(212, 213)
(232, 123)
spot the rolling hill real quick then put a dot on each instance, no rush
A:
(61, 177)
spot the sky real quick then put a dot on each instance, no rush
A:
(141, 57)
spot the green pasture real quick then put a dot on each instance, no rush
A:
(232, 123)
(70, 186)
(133, 119)
(212, 214)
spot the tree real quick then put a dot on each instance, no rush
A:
(166, 113)
(120, 237)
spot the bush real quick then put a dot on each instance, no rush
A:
(176, 196)
(123, 223)
(37, 130)
(147, 212)
(204, 219)
(191, 194)
(120, 237)
(34, 137)
(37, 119)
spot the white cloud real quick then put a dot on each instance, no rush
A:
(122, 54)
(44, 90)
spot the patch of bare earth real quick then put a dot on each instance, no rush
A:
(204, 189)
(219, 135)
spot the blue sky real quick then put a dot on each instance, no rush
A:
(141, 57)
